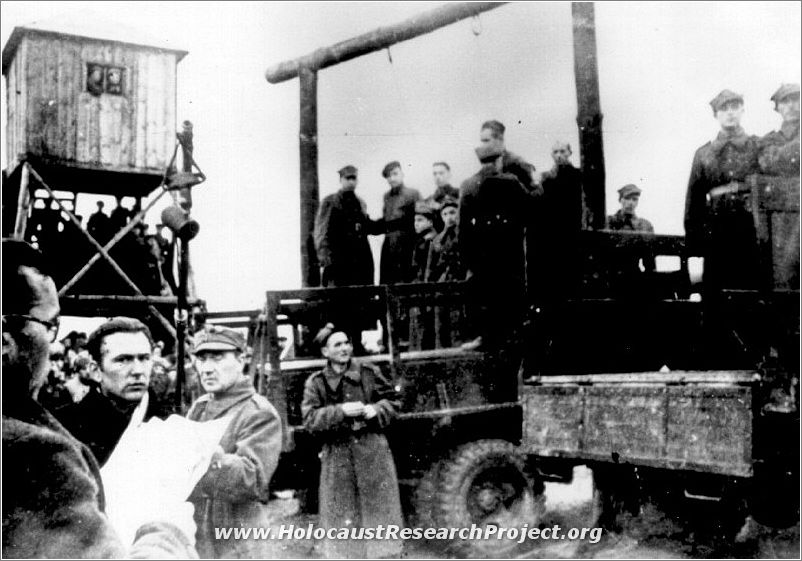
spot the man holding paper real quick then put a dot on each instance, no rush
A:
(234, 490)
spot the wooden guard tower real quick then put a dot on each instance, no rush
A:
(92, 110)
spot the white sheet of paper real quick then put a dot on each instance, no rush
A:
(154, 468)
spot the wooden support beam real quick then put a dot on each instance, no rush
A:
(378, 39)
(156, 313)
(589, 116)
(23, 204)
(310, 271)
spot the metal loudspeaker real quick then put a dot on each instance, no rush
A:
(180, 223)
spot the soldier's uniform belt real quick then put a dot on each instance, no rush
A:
(733, 188)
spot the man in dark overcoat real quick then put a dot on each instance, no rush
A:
(399, 218)
(53, 499)
(341, 235)
(495, 210)
(235, 489)
(122, 348)
(718, 217)
(562, 222)
(348, 405)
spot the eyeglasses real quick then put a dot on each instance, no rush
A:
(51, 326)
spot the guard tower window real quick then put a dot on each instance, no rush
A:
(101, 78)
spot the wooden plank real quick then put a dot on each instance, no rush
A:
(22, 108)
(677, 377)
(141, 113)
(50, 101)
(170, 120)
(34, 67)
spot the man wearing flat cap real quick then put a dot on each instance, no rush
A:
(234, 490)
(348, 405)
(718, 220)
(341, 235)
(122, 348)
(399, 219)
(625, 265)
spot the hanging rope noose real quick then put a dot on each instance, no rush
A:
(476, 25)
(389, 55)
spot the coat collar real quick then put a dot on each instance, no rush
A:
(222, 402)
(352, 372)
(738, 138)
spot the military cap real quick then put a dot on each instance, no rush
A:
(449, 201)
(348, 171)
(724, 97)
(217, 338)
(786, 90)
(487, 153)
(628, 191)
(390, 167)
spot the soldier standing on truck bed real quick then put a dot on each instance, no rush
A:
(718, 218)
(348, 405)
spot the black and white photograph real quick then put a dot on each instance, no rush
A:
(400, 280)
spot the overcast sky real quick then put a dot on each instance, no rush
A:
(660, 63)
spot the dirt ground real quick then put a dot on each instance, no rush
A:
(648, 535)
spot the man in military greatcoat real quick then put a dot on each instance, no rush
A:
(718, 217)
(441, 172)
(234, 490)
(348, 405)
(399, 218)
(341, 235)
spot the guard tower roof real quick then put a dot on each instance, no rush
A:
(90, 27)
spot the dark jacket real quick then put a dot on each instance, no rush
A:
(494, 212)
(341, 240)
(420, 254)
(444, 258)
(235, 493)
(99, 423)
(779, 151)
(399, 224)
(728, 159)
(358, 482)
(718, 211)
(53, 502)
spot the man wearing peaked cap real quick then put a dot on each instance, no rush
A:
(234, 490)
(718, 221)
(348, 171)
(780, 149)
(341, 233)
(625, 218)
(399, 218)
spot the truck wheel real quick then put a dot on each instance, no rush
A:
(484, 483)
(424, 498)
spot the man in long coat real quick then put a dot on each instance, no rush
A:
(718, 219)
(399, 218)
(234, 491)
(348, 405)
(495, 210)
(562, 222)
(341, 235)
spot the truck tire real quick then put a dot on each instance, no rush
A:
(424, 498)
(484, 483)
